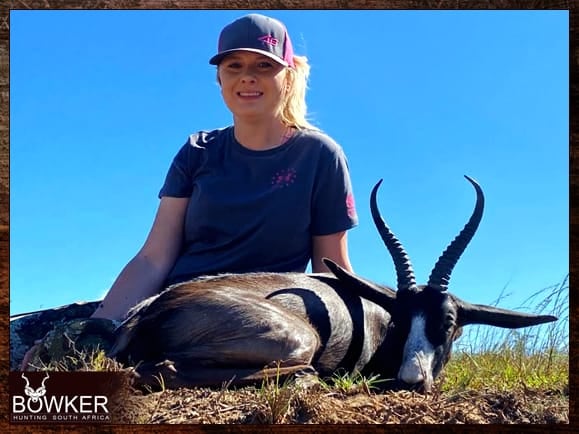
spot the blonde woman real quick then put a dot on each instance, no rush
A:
(268, 193)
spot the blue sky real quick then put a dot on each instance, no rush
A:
(102, 100)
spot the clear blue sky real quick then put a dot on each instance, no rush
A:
(102, 100)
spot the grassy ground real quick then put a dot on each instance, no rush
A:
(533, 357)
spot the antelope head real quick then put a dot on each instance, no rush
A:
(35, 394)
(426, 319)
(431, 317)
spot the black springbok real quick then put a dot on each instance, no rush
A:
(243, 327)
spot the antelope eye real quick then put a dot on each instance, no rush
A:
(448, 322)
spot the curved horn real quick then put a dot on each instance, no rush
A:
(404, 271)
(440, 275)
(27, 382)
(45, 378)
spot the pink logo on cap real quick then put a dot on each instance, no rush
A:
(268, 39)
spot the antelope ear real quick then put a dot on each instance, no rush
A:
(382, 296)
(497, 317)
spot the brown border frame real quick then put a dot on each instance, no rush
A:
(571, 5)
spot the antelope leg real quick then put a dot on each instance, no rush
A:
(171, 377)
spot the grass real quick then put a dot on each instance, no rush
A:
(350, 384)
(533, 357)
(93, 360)
(278, 397)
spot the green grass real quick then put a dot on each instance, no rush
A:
(502, 359)
(277, 396)
(348, 384)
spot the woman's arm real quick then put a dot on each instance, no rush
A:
(334, 247)
(146, 272)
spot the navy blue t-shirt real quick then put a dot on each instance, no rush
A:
(257, 210)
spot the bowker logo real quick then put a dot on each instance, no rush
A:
(38, 406)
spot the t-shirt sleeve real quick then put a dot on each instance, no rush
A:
(333, 207)
(179, 182)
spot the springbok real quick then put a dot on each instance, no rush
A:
(243, 327)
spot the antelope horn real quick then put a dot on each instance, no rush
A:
(45, 378)
(27, 382)
(440, 275)
(404, 271)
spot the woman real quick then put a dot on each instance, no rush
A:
(269, 193)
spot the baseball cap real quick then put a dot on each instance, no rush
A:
(258, 34)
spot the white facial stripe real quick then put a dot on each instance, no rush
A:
(418, 354)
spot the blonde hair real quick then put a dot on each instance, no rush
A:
(294, 108)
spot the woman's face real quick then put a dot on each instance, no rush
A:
(252, 85)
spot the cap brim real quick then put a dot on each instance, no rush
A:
(216, 60)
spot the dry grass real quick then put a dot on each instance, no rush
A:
(318, 406)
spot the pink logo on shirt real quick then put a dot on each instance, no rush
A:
(283, 178)
(351, 206)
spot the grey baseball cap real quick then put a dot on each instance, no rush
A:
(258, 34)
